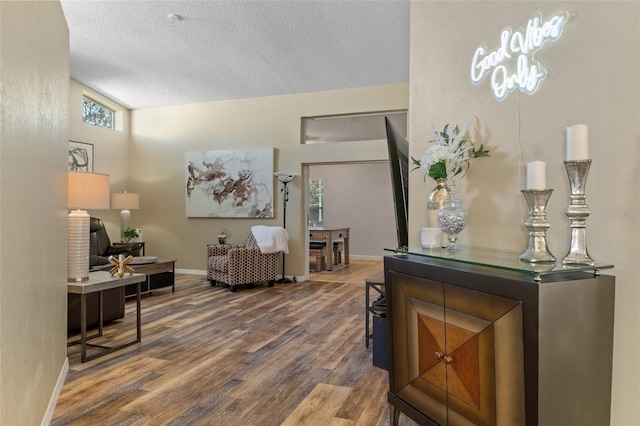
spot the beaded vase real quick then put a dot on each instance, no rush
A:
(452, 218)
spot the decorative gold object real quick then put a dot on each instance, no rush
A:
(121, 265)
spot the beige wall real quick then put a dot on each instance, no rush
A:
(110, 149)
(34, 93)
(594, 79)
(161, 136)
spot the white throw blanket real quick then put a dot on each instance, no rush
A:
(271, 239)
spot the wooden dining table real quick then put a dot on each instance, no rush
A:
(329, 235)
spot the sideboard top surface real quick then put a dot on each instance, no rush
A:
(500, 261)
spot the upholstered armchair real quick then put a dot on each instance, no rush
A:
(100, 247)
(237, 264)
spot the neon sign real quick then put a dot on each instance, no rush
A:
(512, 65)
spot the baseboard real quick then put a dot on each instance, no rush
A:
(293, 278)
(191, 272)
(56, 393)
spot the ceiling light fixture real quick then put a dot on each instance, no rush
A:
(174, 18)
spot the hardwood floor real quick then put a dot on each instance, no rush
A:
(293, 354)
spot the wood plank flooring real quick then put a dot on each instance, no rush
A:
(293, 354)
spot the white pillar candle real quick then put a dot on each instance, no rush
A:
(430, 237)
(536, 175)
(577, 142)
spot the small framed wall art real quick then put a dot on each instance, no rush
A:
(80, 156)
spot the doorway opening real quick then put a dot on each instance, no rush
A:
(356, 196)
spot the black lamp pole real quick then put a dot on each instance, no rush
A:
(284, 178)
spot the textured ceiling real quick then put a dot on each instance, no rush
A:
(132, 52)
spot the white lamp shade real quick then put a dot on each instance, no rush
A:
(88, 191)
(285, 177)
(125, 201)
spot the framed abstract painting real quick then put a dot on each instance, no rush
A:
(234, 183)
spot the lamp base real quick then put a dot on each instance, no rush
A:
(125, 215)
(78, 246)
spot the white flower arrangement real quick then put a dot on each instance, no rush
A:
(451, 154)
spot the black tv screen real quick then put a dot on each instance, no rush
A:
(399, 165)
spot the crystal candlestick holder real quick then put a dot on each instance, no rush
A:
(578, 212)
(537, 224)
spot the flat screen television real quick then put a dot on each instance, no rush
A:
(399, 165)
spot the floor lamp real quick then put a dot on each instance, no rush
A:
(284, 179)
(85, 191)
(125, 201)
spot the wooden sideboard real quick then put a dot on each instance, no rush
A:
(471, 344)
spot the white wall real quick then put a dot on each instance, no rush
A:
(359, 196)
(593, 78)
(34, 93)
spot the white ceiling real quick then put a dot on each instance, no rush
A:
(133, 53)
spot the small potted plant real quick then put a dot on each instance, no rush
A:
(130, 234)
(222, 236)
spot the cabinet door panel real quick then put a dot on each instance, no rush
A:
(418, 344)
(473, 348)
(446, 341)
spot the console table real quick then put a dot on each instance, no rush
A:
(476, 337)
(97, 283)
(328, 235)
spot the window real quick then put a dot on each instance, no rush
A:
(96, 114)
(316, 202)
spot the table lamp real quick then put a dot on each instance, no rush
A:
(125, 201)
(88, 191)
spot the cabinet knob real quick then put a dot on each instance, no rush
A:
(439, 355)
(448, 359)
